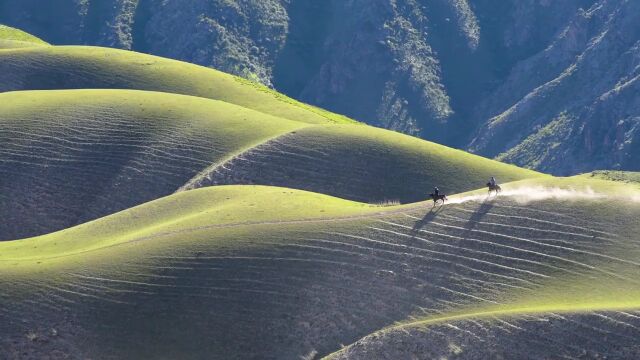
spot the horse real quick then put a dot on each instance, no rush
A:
(439, 197)
(493, 188)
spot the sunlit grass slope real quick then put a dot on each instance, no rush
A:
(240, 272)
(564, 318)
(566, 315)
(77, 67)
(216, 207)
(361, 163)
(14, 38)
(72, 156)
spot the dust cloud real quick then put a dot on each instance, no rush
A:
(528, 194)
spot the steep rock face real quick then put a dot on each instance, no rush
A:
(243, 37)
(394, 67)
(421, 67)
(573, 106)
(42, 17)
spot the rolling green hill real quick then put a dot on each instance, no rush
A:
(238, 272)
(457, 72)
(11, 38)
(78, 67)
(76, 155)
(360, 163)
(567, 315)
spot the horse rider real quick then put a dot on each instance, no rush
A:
(492, 182)
(436, 192)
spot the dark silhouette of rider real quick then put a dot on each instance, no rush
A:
(436, 191)
(492, 182)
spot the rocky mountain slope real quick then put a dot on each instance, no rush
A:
(543, 84)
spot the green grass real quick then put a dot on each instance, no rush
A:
(16, 44)
(18, 38)
(365, 164)
(78, 67)
(453, 170)
(103, 151)
(235, 129)
(589, 293)
(163, 273)
(213, 207)
(74, 155)
(585, 186)
(239, 127)
(415, 165)
(602, 280)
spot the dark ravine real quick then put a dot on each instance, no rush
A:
(560, 76)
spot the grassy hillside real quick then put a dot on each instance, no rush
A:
(218, 207)
(14, 38)
(240, 272)
(76, 155)
(566, 314)
(360, 163)
(77, 67)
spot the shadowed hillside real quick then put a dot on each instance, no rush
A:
(359, 163)
(76, 155)
(275, 273)
(62, 67)
(73, 156)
